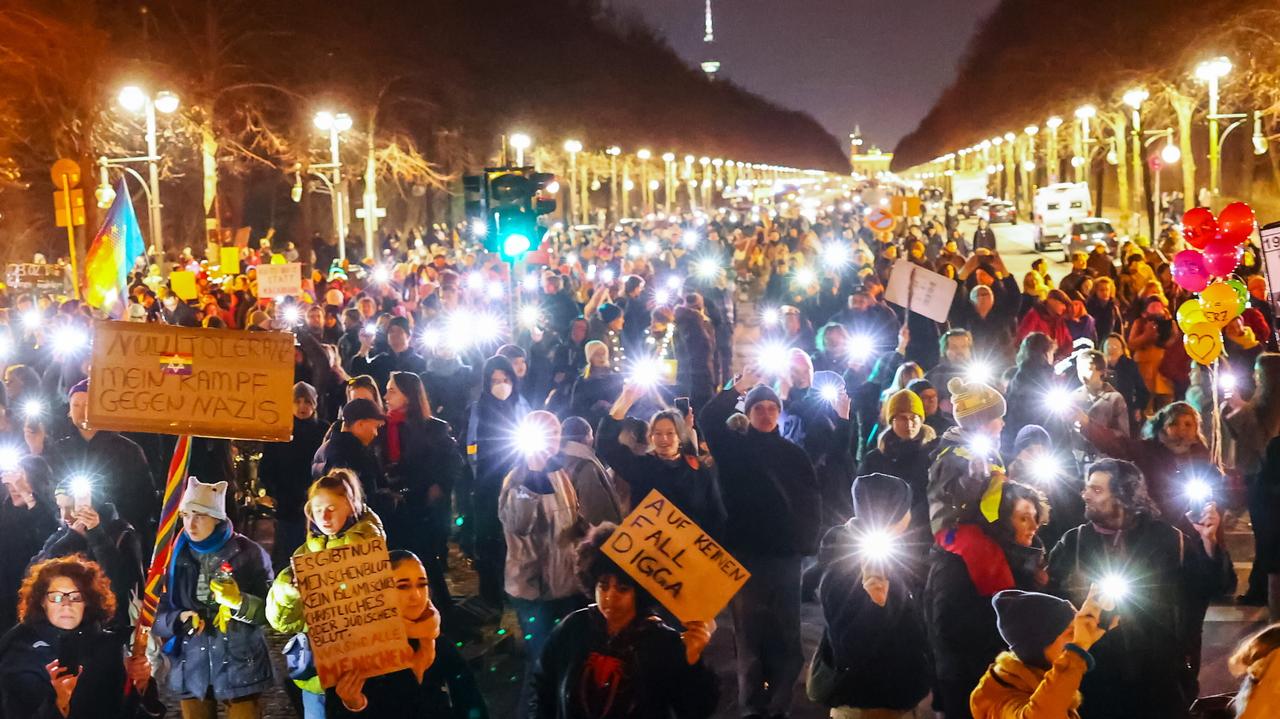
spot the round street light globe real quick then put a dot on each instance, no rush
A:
(516, 244)
(1031, 129)
(1170, 154)
(614, 150)
(1053, 123)
(1085, 112)
(643, 154)
(323, 120)
(1028, 165)
(668, 157)
(1135, 97)
(166, 102)
(342, 121)
(132, 98)
(573, 146)
(520, 141)
(1077, 161)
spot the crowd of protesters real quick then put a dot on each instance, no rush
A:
(1017, 511)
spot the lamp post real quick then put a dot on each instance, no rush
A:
(1029, 168)
(1052, 164)
(704, 183)
(135, 99)
(335, 125)
(1169, 155)
(1134, 99)
(1083, 114)
(646, 198)
(613, 153)
(690, 182)
(1210, 72)
(573, 147)
(668, 179)
(520, 142)
(1010, 169)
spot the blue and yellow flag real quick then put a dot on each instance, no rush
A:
(111, 256)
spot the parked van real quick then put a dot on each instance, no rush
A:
(1057, 207)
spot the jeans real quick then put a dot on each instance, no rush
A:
(312, 705)
(766, 634)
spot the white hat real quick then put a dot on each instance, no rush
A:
(210, 499)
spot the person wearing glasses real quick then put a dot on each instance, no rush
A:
(61, 661)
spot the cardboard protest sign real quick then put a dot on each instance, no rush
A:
(184, 380)
(183, 283)
(1270, 236)
(349, 601)
(675, 561)
(280, 280)
(35, 277)
(229, 260)
(920, 290)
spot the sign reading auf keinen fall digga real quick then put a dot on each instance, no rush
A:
(675, 561)
(353, 621)
(184, 380)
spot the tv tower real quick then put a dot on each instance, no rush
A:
(710, 65)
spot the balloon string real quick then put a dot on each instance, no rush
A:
(1215, 433)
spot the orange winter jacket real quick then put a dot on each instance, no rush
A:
(1013, 690)
(1264, 690)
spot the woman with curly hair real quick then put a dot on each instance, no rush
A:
(60, 661)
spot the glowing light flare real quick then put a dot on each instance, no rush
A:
(707, 268)
(1058, 400)
(31, 319)
(475, 280)
(529, 316)
(370, 328)
(860, 348)
(530, 283)
(607, 276)
(805, 277)
(532, 439)
(980, 445)
(1228, 381)
(495, 290)
(689, 238)
(1114, 588)
(646, 373)
(381, 274)
(877, 545)
(9, 457)
(1046, 467)
(430, 339)
(773, 358)
(977, 372)
(830, 393)
(650, 247)
(68, 339)
(836, 255)
(674, 283)
(291, 315)
(81, 488)
(770, 317)
(1198, 490)
(662, 296)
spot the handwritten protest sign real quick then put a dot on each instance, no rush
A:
(39, 278)
(182, 380)
(349, 601)
(675, 561)
(280, 280)
(920, 290)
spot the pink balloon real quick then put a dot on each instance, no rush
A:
(1236, 223)
(1199, 227)
(1189, 271)
(1221, 257)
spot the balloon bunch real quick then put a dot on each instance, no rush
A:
(1218, 243)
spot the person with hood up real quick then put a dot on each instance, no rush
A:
(874, 653)
(966, 473)
(1034, 388)
(970, 564)
(597, 497)
(91, 527)
(1049, 641)
(211, 617)
(492, 453)
(766, 481)
(904, 450)
(336, 517)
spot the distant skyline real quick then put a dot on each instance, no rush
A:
(846, 62)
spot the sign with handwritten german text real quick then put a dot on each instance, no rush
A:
(183, 380)
(675, 561)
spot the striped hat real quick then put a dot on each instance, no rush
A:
(974, 403)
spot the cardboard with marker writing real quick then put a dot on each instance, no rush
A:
(189, 380)
(353, 619)
(675, 560)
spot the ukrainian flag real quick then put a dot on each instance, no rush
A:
(111, 255)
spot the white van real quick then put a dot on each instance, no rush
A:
(1056, 207)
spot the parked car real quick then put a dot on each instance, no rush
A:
(1001, 211)
(1088, 233)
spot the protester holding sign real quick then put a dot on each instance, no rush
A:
(439, 684)
(212, 614)
(336, 517)
(616, 658)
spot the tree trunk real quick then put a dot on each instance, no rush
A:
(1184, 106)
(1118, 125)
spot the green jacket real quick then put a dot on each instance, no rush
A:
(284, 601)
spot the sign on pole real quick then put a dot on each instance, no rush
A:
(353, 620)
(183, 380)
(280, 280)
(920, 290)
(675, 561)
(880, 220)
(68, 208)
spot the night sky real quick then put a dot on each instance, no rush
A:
(876, 63)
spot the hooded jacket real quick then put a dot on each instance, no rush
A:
(1013, 690)
(598, 500)
(345, 450)
(765, 481)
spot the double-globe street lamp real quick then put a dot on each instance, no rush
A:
(135, 100)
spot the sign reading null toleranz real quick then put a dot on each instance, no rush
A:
(181, 380)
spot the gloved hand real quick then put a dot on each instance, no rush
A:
(222, 618)
(226, 593)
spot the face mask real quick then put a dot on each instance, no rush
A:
(501, 391)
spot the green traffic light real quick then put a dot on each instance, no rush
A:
(515, 245)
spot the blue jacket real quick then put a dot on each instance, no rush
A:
(236, 663)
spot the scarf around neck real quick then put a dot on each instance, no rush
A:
(212, 543)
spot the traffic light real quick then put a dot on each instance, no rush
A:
(503, 206)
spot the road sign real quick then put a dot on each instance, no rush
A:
(880, 220)
(67, 167)
(72, 201)
(902, 206)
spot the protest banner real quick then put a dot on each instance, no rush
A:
(183, 283)
(184, 380)
(675, 561)
(34, 277)
(349, 601)
(919, 290)
(280, 280)
(1270, 236)
(229, 260)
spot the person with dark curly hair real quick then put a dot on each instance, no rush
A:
(616, 658)
(60, 662)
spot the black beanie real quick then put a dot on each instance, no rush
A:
(881, 499)
(1031, 435)
(1030, 621)
(760, 393)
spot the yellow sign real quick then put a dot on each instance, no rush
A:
(184, 380)
(675, 561)
(73, 199)
(229, 259)
(353, 621)
(183, 283)
(902, 206)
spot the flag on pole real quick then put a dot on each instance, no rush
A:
(167, 532)
(111, 255)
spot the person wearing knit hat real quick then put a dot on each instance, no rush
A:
(967, 472)
(766, 420)
(929, 395)
(904, 402)
(976, 405)
(1030, 437)
(1049, 642)
(903, 450)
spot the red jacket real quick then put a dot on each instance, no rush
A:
(1038, 319)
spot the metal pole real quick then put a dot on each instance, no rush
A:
(1156, 200)
(336, 195)
(571, 197)
(153, 177)
(71, 234)
(1137, 159)
(613, 185)
(1214, 149)
(1051, 166)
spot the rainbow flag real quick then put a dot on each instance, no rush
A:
(111, 255)
(165, 535)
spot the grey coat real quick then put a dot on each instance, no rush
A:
(597, 497)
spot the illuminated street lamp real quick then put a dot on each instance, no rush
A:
(613, 153)
(1083, 114)
(573, 147)
(135, 99)
(520, 142)
(335, 125)
(1053, 123)
(643, 155)
(1210, 72)
(1134, 97)
(668, 179)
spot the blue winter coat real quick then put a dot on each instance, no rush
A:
(235, 663)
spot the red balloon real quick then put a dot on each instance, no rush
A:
(1221, 257)
(1199, 227)
(1236, 223)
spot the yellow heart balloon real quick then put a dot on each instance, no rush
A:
(1219, 303)
(1203, 342)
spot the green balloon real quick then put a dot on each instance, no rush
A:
(1242, 293)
